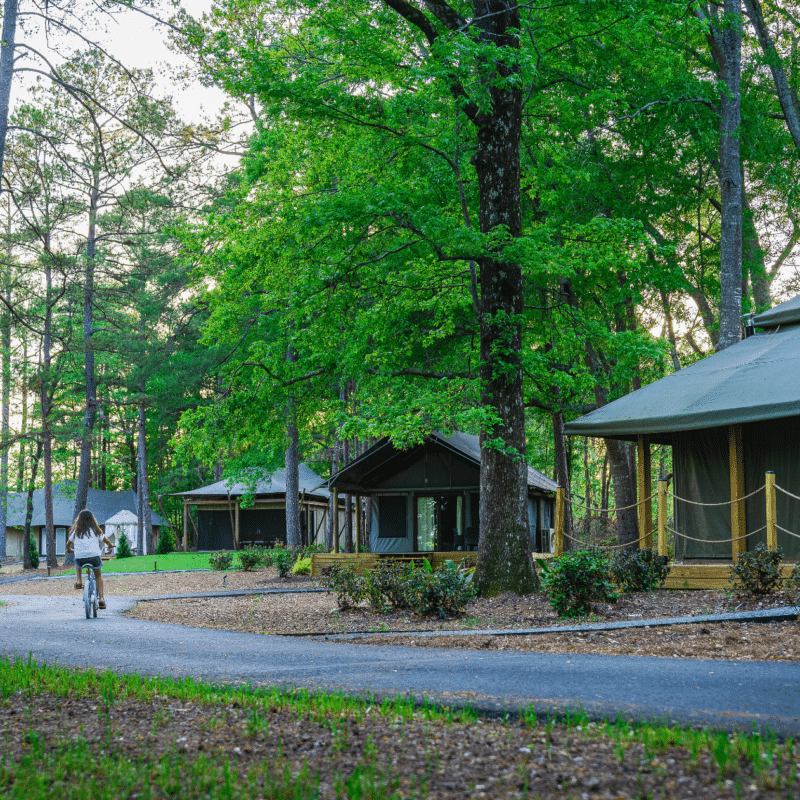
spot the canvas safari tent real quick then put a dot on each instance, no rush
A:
(729, 419)
(224, 524)
(426, 497)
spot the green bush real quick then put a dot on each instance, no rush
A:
(302, 567)
(757, 572)
(792, 586)
(34, 554)
(386, 585)
(442, 593)
(282, 559)
(575, 581)
(639, 570)
(221, 561)
(166, 543)
(346, 584)
(124, 547)
(252, 558)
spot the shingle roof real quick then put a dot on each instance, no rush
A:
(102, 504)
(276, 484)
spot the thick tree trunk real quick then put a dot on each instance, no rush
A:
(5, 368)
(562, 473)
(90, 377)
(144, 532)
(26, 533)
(730, 43)
(292, 487)
(624, 491)
(9, 35)
(504, 551)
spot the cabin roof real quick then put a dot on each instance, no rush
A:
(312, 483)
(384, 458)
(103, 504)
(755, 379)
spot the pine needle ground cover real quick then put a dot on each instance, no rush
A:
(92, 734)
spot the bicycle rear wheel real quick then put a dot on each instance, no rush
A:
(87, 595)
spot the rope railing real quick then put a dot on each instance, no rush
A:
(590, 509)
(787, 493)
(769, 487)
(716, 541)
(725, 503)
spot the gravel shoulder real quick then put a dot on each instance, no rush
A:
(318, 614)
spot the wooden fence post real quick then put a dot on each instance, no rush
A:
(772, 516)
(663, 486)
(643, 486)
(335, 520)
(561, 495)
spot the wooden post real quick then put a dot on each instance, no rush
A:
(561, 495)
(303, 510)
(644, 482)
(358, 522)
(236, 526)
(185, 527)
(335, 520)
(772, 515)
(738, 520)
(663, 487)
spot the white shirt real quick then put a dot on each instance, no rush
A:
(87, 547)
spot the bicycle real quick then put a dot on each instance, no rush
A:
(90, 598)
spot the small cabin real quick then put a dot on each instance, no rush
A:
(231, 516)
(426, 497)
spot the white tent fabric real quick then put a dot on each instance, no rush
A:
(123, 522)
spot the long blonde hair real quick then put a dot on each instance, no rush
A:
(84, 525)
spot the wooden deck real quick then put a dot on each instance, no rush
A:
(681, 576)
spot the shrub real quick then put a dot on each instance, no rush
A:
(348, 587)
(302, 567)
(386, 585)
(282, 559)
(253, 557)
(166, 543)
(34, 554)
(792, 586)
(442, 593)
(757, 572)
(575, 581)
(221, 560)
(639, 570)
(124, 547)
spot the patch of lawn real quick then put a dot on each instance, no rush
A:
(78, 734)
(145, 563)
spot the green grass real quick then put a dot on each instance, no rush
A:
(145, 563)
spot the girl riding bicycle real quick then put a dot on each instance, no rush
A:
(84, 538)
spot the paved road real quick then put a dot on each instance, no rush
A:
(726, 694)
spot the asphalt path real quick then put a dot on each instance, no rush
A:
(724, 694)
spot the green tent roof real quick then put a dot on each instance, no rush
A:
(755, 379)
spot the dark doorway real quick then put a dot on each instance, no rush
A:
(439, 522)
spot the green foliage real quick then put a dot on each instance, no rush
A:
(282, 559)
(34, 554)
(348, 586)
(391, 586)
(757, 572)
(166, 543)
(576, 580)
(302, 566)
(639, 570)
(124, 547)
(792, 586)
(221, 561)
(442, 593)
(252, 558)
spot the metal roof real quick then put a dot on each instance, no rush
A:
(312, 483)
(103, 504)
(755, 379)
(384, 456)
